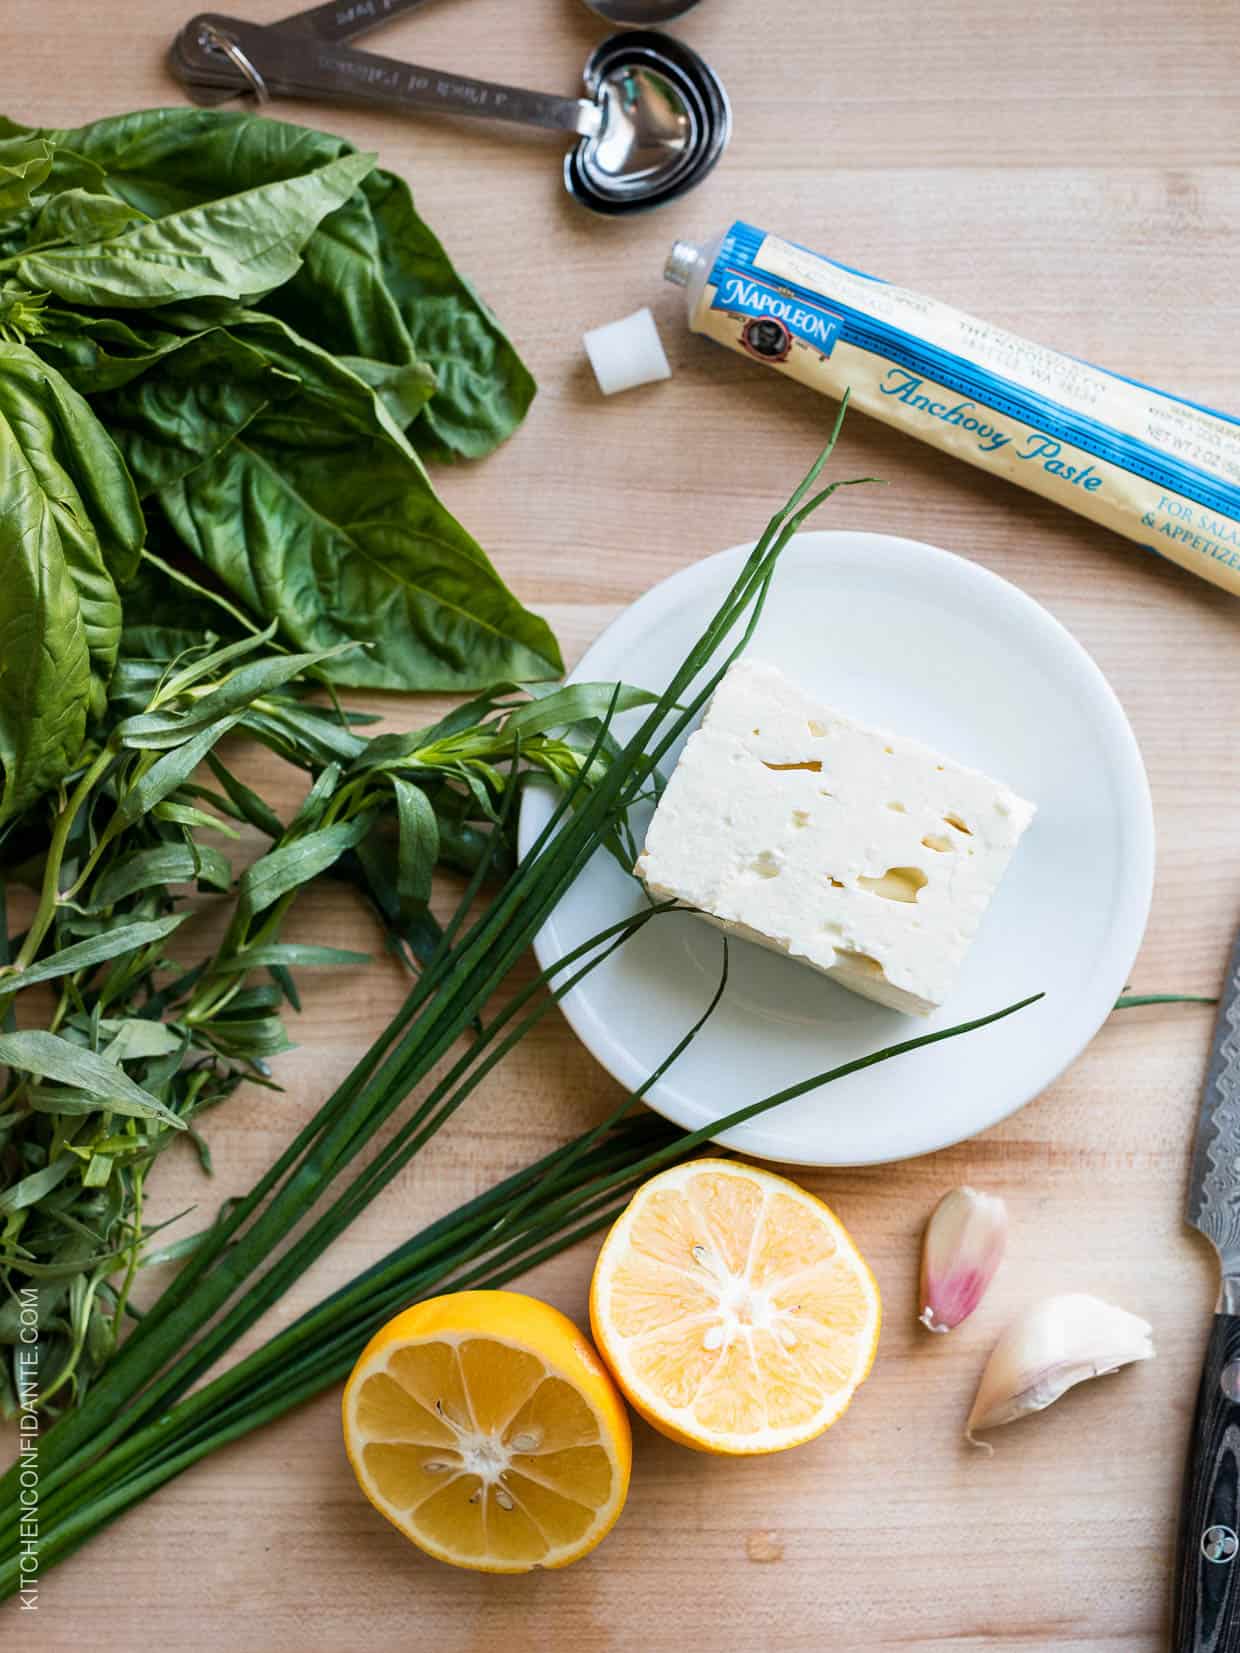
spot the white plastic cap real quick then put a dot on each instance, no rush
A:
(627, 353)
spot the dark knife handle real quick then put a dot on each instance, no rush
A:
(1207, 1603)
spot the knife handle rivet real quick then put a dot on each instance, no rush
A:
(1219, 1544)
(1229, 1381)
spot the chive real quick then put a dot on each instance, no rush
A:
(137, 1427)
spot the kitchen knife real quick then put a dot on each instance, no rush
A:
(1207, 1602)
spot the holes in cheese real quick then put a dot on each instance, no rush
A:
(800, 817)
(955, 821)
(939, 841)
(859, 963)
(818, 730)
(836, 883)
(765, 864)
(896, 884)
(897, 809)
(814, 765)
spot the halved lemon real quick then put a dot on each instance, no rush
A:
(485, 1427)
(733, 1309)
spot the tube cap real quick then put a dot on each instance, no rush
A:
(627, 353)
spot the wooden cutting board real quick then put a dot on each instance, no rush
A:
(1067, 171)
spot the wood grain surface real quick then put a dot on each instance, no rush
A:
(1071, 171)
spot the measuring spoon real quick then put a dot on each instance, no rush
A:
(656, 121)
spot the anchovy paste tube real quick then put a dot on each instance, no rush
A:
(1155, 468)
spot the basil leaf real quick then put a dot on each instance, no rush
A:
(164, 618)
(102, 352)
(236, 247)
(164, 160)
(342, 536)
(24, 164)
(70, 520)
(483, 388)
(189, 403)
(375, 281)
(69, 169)
(79, 216)
(86, 485)
(403, 390)
(48, 1056)
(332, 392)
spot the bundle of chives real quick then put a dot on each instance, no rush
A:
(133, 1431)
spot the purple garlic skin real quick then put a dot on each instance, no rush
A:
(962, 1248)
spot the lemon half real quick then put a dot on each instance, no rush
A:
(733, 1309)
(483, 1425)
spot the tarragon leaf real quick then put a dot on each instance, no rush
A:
(284, 868)
(286, 955)
(48, 1056)
(96, 950)
(163, 864)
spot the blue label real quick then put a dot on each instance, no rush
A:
(910, 360)
(740, 294)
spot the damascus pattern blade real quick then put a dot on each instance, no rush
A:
(1214, 1186)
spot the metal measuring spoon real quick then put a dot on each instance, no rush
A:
(612, 175)
(655, 122)
(642, 14)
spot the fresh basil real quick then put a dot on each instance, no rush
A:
(189, 404)
(80, 216)
(72, 528)
(341, 537)
(238, 247)
(24, 164)
(232, 340)
(375, 281)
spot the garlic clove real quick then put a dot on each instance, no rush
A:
(1057, 1343)
(962, 1248)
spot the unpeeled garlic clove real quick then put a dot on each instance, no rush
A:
(1057, 1343)
(962, 1248)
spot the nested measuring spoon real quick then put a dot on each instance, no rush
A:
(654, 123)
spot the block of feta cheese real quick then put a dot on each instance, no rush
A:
(863, 854)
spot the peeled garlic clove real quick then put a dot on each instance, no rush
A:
(962, 1248)
(1057, 1343)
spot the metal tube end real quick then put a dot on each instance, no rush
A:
(683, 259)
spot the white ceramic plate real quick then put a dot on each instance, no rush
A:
(913, 639)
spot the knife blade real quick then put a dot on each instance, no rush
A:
(1207, 1600)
